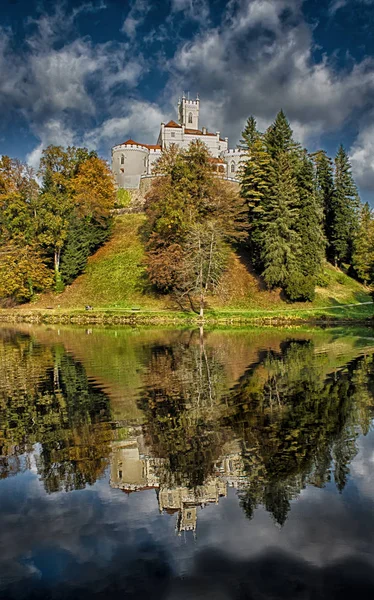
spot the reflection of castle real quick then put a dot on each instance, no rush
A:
(134, 469)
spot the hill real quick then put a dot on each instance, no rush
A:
(115, 279)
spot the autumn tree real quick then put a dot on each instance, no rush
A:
(77, 193)
(192, 217)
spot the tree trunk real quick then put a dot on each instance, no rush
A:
(202, 306)
(57, 261)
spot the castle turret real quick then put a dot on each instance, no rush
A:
(188, 111)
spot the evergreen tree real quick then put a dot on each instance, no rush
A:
(280, 245)
(84, 236)
(256, 185)
(310, 231)
(250, 134)
(278, 137)
(325, 189)
(363, 255)
(345, 207)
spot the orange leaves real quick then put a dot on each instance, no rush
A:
(93, 189)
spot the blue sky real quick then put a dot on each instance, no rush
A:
(101, 71)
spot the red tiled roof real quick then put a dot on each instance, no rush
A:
(149, 146)
(217, 160)
(131, 143)
(173, 124)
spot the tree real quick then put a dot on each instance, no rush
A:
(280, 244)
(93, 189)
(311, 238)
(77, 185)
(250, 134)
(345, 208)
(84, 236)
(255, 187)
(23, 271)
(192, 216)
(363, 253)
(278, 137)
(325, 189)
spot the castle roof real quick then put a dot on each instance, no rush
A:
(173, 124)
(131, 143)
(149, 146)
(216, 160)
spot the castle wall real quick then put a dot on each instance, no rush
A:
(233, 160)
(127, 171)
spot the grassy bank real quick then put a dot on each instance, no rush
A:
(116, 286)
(328, 315)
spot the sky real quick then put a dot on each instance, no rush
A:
(98, 72)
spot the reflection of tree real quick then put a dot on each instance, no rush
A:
(46, 398)
(294, 421)
(181, 400)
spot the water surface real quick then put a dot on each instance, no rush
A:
(144, 463)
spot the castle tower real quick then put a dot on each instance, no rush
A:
(188, 111)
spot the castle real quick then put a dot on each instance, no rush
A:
(133, 162)
(135, 469)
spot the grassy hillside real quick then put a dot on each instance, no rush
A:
(115, 278)
(115, 275)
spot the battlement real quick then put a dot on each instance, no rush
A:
(191, 102)
(234, 151)
(131, 147)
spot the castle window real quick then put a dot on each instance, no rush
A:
(190, 117)
(232, 167)
(189, 515)
(120, 474)
(122, 159)
(173, 134)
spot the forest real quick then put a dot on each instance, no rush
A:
(293, 211)
(51, 221)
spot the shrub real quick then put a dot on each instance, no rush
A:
(300, 288)
(123, 198)
(323, 280)
(341, 278)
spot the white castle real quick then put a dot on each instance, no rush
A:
(133, 162)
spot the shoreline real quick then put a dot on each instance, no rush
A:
(340, 314)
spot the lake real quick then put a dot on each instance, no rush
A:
(163, 463)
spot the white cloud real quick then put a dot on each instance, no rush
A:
(260, 59)
(336, 5)
(50, 81)
(54, 132)
(140, 120)
(135, 17)
(192, 9)
(362, 157)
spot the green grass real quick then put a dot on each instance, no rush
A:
(115, 282)
(115, 274)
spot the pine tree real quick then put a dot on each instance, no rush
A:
(84, 236)
(278, 137)
(249, 135)
(310, 231)
(345, 208)
(280, 245)
(256, 187)
(325, 189)
(363, 254)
